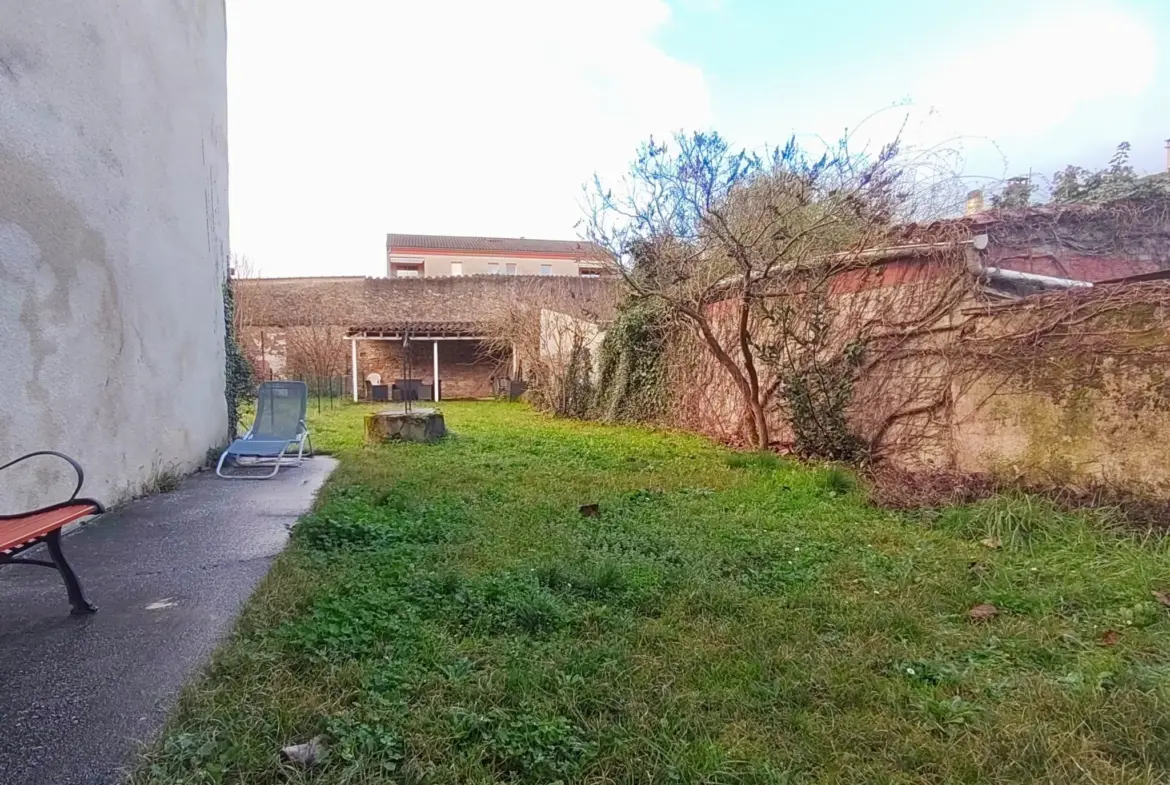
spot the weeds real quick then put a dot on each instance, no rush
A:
(446, 615)
(839, 481)
(758, 461)
(163, 478)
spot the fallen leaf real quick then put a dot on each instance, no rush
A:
(1110, 638)
(983, 612)
(992, 542)
(1162, 597)
(590, 510)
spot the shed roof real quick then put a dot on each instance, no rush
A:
(447, 328)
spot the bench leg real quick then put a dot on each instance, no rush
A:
(72, 585)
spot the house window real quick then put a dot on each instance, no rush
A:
(493, 268)
(546, 269)
(590, 272)
(407, 267)
(410, 270)
(510, 268)
(456, 268)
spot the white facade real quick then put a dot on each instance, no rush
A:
(438, 264)
(113, 239)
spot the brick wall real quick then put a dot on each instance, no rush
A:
(283, 302)
(466, 368)
(271, 310)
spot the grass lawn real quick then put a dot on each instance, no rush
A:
(446, 615)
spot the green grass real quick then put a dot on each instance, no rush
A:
(446, 615)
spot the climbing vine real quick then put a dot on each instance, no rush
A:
(238, 372)
(816, 400)
(632, 379)
(576, 387)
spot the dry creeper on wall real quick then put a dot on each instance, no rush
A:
(632, 379)
(238, 372)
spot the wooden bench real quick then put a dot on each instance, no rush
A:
(20, 532)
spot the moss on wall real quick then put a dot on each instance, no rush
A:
(1113, 431)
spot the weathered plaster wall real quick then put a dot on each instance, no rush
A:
(704, 397)
(1104, 422)
(561, 333)
(1090, 406)
(113, 239)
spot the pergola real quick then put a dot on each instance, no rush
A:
(434, 331)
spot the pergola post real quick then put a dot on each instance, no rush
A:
(436, 358)
(353, 366)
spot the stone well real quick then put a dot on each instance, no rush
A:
(419, 425)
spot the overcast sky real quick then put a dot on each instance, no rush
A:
(354, 118)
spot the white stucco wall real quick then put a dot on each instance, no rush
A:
(560, 332)
(439, 264)
(113, 238)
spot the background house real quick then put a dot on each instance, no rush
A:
(318, 327)
(113, 240)
(432, 256)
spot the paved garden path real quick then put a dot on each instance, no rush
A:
(169, 574)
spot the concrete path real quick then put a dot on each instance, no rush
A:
(169, 575)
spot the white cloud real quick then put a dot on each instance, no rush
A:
(1027, 79)
(354, 118)
(1035, 90)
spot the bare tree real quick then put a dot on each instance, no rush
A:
(255, 314)
(316, 350)
(728, 238)
(241, 268)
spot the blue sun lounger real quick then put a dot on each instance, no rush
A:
(278, 429)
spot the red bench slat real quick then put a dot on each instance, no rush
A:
(15, 532)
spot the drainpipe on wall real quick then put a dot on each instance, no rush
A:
(976, 267)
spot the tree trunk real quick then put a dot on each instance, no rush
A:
(755, 405)
(760, 421)
(752, 403)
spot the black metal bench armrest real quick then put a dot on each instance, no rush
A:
(76, 467)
